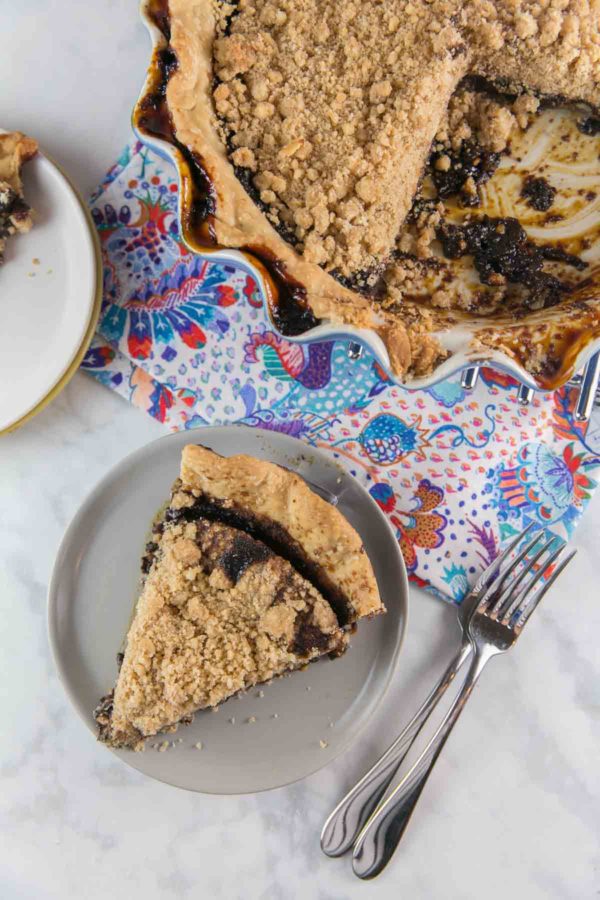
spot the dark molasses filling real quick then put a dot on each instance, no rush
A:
(369, 282)
(590, 126)
(149, 556)
(12, 209)
(274, 537)
(503, 91)
(154, 117)
(103, 714)
(158, 11)
(502, 252)
(538, 193)
(291, 313)
(308, 636)
(470, 162)
(243, 552)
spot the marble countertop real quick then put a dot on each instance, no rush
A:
(513, 806)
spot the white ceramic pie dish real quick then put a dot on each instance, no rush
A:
(461, 339)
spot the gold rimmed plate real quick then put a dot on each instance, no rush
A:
(50, 295)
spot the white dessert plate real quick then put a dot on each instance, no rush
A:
(50, 295)
(267, 737)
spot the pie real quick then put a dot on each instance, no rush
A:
(15, 215)
(249, 574)
(323, 135)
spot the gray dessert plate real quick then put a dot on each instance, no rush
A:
(269, 736)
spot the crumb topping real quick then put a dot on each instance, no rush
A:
(332, 109)
(218, 613)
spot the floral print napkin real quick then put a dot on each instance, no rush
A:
(187, 341)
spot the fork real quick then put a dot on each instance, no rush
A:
(345, 822)
(502, 612)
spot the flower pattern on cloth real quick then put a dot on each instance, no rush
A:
(420, 526)
(187, 340)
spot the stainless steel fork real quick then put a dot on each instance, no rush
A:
(503, 609)
(345, 822)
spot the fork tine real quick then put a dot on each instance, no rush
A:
(526, 613)
(496, 588)
(519, 596)
(488, 574)
(508, 601)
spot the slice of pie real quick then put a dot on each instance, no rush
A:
(248, 575)
(15, 215)
(309, 126)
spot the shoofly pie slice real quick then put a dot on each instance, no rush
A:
(15, 215)
(310, 124)
(239, 587)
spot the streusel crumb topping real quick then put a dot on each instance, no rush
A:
(332, 108)
(218, 613)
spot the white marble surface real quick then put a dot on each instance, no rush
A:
(513, 808)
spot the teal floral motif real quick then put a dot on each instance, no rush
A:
(455, 576)
(550, 488)
(447, 393)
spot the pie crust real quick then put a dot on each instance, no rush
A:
(518, 46)
(281, 501)
(221, 609)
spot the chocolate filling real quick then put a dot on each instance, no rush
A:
(590, 126)
(308, 636)
(502, 252)
(103, 714)
(471, 163)
(275, 538)
(154, 117)
(243, 553)
(12, 208)
(538, 193)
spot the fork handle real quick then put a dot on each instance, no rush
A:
(381, 835)
(346, 820)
